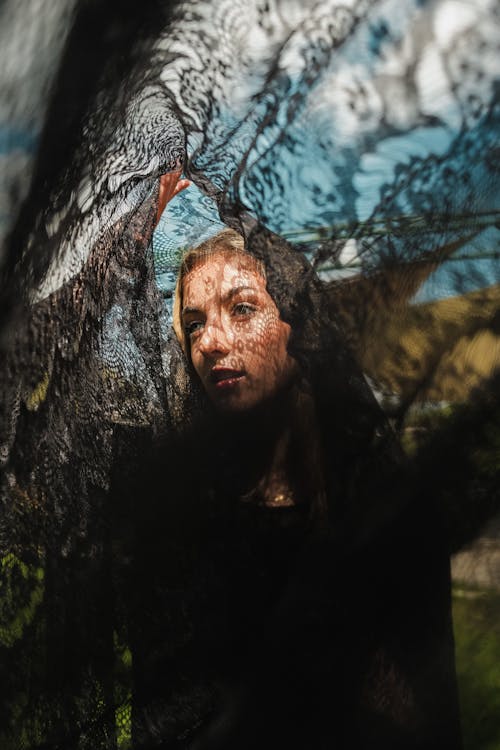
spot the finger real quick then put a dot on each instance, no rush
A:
(166, 191)
(181, 185)
(168, 182)
(162, 202)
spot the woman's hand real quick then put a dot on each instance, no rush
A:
(170, 185)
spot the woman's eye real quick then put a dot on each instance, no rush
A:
(243, 308)
(193, 326)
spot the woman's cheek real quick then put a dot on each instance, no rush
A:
(196, 360)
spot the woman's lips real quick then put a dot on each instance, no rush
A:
(223, 377)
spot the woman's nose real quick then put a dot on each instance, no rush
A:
(215, 340)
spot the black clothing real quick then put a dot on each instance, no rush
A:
(261, 628)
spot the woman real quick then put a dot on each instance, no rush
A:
(236, 343)
(300, 598)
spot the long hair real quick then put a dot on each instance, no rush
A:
(303, 423)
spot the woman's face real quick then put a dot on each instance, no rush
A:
(237, 341)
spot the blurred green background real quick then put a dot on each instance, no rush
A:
(476, 616)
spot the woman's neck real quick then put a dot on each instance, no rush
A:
(267, 449)
(260, 428)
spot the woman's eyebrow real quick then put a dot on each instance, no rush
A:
(189, 310)
(226, 298)
(236, 290)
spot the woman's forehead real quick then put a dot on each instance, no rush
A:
(221, 273)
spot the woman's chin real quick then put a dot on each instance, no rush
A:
(231, 403)
(234, 399)
(240, 400)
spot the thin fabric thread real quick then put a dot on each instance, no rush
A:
(365, 133)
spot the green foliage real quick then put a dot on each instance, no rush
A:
(476, 616)
(123, 718)
(123, 692)
(21, 592)
(487, 457)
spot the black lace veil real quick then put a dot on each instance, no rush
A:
(354, 145)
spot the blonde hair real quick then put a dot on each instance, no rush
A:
(228, 242)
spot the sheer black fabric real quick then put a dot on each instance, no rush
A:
(356, 148)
